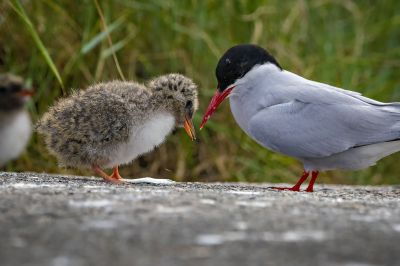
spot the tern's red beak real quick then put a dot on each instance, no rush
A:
(215, 102)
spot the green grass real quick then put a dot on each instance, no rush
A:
(18, 8)
(350, 44)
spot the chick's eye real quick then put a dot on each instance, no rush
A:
(189, 105)
(14, 87)
(189, 108)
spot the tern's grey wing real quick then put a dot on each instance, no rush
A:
(284, 86)
(325, 90)
(309, 130)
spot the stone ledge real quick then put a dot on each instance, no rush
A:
(66, 220)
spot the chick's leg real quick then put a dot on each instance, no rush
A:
(106, 177)
(115, 173)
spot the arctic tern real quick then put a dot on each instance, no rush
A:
(323, 126)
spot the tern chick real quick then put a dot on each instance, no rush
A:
(112, 123)
(15, 123)
(323, 126)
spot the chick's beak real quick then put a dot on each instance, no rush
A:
(25, 93)
(215, 102)
(188, 125)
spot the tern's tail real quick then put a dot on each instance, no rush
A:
(368, 155)
(355, 158)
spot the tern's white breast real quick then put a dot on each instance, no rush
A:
(14, 136)
(243, 108)
(238, 109)
(143, 139)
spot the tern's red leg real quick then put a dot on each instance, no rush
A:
(314, 176)
(298, 184)
(114, 178)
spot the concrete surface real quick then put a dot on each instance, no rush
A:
(65, 220)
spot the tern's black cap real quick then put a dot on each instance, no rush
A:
(239, 60)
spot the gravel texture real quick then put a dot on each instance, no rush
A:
(67, 220)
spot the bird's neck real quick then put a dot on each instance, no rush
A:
(252, 93)
(159, 102)
(12, 104)
(156, 106)
(7, 116)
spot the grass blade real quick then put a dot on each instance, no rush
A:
(16, 5)
(96, 40)
(117, 46)
(110, 43)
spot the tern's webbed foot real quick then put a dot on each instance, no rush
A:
(296, 189)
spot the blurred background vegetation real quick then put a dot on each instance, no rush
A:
(349, 44)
